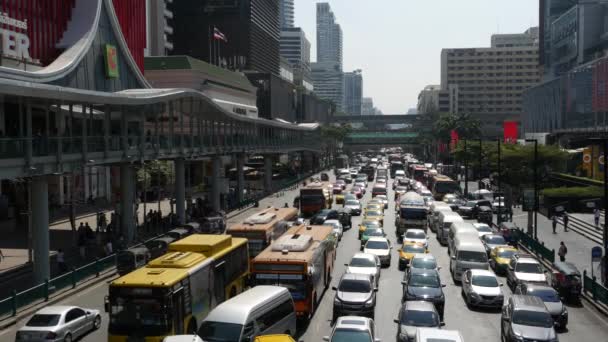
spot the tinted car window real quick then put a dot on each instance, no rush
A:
(73, 314)
(528, 268)
(424, 280)
(547, 295)
(428, 264)
(419, 318)
(43, 321)
(349, 285)
(362, 262)
(376, 245)
(347, 335)
(532, 318)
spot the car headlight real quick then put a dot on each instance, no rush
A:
(403, 337)
(369, 303)
(564, 311)
(475, 295)
(337, 301)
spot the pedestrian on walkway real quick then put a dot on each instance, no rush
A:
(554, 222)
(563, 250)
(61, 261)
(596, 217)
(566, 219)
(108, 247)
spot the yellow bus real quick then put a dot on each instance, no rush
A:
(175, 292)
(263, 227)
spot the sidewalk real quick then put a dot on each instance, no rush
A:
(579, 247)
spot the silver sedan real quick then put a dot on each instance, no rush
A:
(59, 323)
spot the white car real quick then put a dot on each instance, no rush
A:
(384, 200)
(362, 186)
(59, 323)
(380, 247)
(416, 236)
(365, 263)
(353, 328)
(483, 229)
(481, 288)
(338, 229)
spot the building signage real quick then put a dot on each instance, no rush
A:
(528, 200)
(111, 59)
(14, 44)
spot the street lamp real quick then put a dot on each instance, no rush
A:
(535, 186)
(479, 186)
(466, 170)
(605, 232)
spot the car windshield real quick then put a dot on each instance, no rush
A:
(547, 295)
(413, 249)
(528, 268)
(362, 262)
(424, 280)
(350, 285)
(484, 281)
(376, 245)
(41, 320)
(347, 335)
(470, 204)
(374, 232)
(469, 256)
(352, 203)
(415, 235)
(484, 229)
(495, 240)
(219, 331)
(506, 253)
(372, 213)
(419, 318)
(425, 263)
(533, 318)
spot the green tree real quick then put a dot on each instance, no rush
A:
(155, 173)
(464, 124)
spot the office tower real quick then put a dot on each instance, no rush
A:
(286, 13)
(353, 92)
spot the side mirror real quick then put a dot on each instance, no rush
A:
(396, 321)
(453, 257)
(442, 324)
(501, 284)
(438, 268)
(334, 288)
(325, 338)
(106, 304)
(87, 312)
(375, 289)
(403, 282)
(345, 264)
(443, 285)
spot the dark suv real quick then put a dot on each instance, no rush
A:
(525, 318)
(423, 284)
(471, 208)
(325, 214)
(355, 295)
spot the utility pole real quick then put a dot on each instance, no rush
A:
(499, 216)
(535, 186)
(466, 170)
(605, 231)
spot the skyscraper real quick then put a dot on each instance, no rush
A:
(328, 80)
(286, 13)
(295, 47)
(329, 36)
(353, 92)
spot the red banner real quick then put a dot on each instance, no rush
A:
(453, 139)
(510, 132)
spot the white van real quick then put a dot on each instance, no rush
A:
(435, 334)
(183, 338)
(261, 310)
(434, 209)
(469, 253)
(443, 225)
(460, 229)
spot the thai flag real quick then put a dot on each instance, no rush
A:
(218, 35)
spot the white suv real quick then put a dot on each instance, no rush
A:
(524, 268)
(353, 328)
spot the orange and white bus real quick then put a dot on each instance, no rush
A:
(315, 196)
(263, 227)
(302, 261)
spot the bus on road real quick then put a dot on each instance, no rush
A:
(175, 292)
(301, 260)
(417, 172)
(412, 213)
(263, 227)
(441, 185)
(314, 197)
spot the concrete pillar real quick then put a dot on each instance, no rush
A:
(127, 201)
(180, 190)
(240, 178)
(268, 174)
(40, 228)
(215, 182)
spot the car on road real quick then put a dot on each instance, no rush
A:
(362, 186)
(524, 268)
(481, 288)
(375, 215)
(375, 205)
(421, 284)
(415, 314)
(500, 257)
(423, 261)
(355, 295)
(196, 338)
(407, 251)
(353, 329)
(339, 198)
(416, 236)
(492, 240)
(345, 179)
(337, 188)
(381, 247)
(341, 183)
(354, 206)
(483, 229)
(357, 191)
(384, 200)
(525, 318)
(438, 335)
(371, 232)
(325, 214)
(454, 201)
(552, 301)
(59, 323)
(471, 208)
(368, 223)
(399, 191)
(365, 263)
(338, 228)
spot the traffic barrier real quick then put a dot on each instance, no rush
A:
(592, 286)
(536, 246)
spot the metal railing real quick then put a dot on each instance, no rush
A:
(536, 246)
(592, 286)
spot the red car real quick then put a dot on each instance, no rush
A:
(342, 183)
(357, 191)
(337, 188)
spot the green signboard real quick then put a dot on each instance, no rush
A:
(111, 59)
(528, 200)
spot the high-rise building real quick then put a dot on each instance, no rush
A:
(428, 99)
(328, 80)
(489, 82)
(286, 13)
(159, 31)
(329, 36)
(251, 29)
(353, 92)
(295, 47)
(367, 106)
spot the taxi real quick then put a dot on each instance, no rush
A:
(339, 198)
(377, 202)
(500, 256)
(375, 206)
(374, 214)
(371, 232)
(274, 338)
(368, 224)
(407, 252)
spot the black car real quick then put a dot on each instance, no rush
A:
(345, 217)
(325, 214)
(471, 208)
(423, 284)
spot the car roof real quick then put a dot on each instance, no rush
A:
(356, 276)
(377, 238)
(423, 256)
(237, 309)
(419, 305)
(527, 260)
(538, 287)
(54, 310)
(476, 272)
(353, 322)
(415, 231)
(530, 303)
(423, 271)
(434, 334)
(364, 256)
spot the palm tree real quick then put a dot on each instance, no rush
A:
(464, 124)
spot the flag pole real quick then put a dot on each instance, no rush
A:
(209, 54)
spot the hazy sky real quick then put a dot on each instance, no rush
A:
(398, 43)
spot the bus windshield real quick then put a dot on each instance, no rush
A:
(447, 187)
(295, 283)
(129, 314)
(413, 213)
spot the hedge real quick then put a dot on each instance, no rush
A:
(574, 192)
